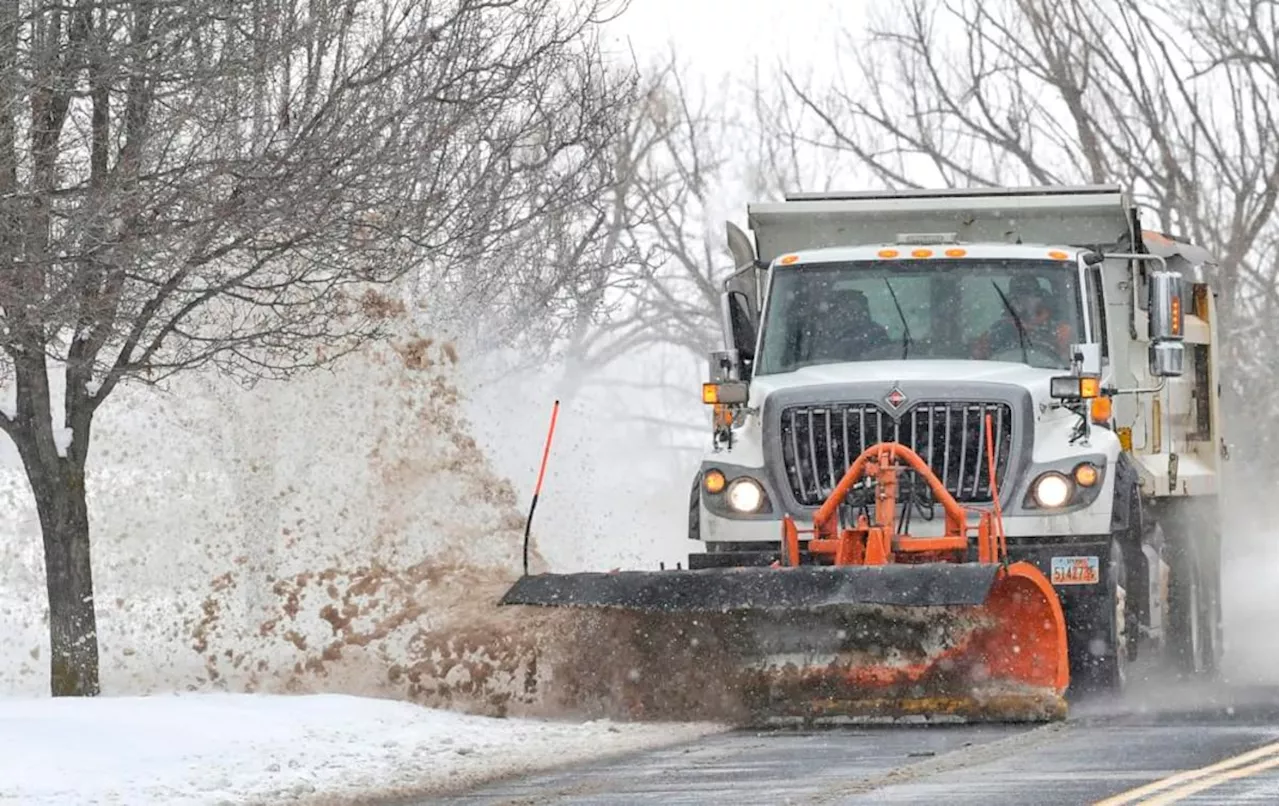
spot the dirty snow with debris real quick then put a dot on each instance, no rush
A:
(320, 589)
(247, 748)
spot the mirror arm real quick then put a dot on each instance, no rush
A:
(1148, 391)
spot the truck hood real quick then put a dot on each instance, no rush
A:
(1033, 379)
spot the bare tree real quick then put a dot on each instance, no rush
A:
(685, 163)
(673, 160)
(1242, 43)
(647, 253)
(1176, 102)
(216, 184)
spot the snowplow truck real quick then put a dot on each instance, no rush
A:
(964, 457)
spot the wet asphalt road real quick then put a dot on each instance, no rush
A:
(1102, 750)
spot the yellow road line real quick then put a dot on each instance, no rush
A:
(1187, 790)
(1133, 795)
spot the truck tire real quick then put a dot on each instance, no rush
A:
(1194, 611)
(1102, 648)
(1195, 606)
(1105, 647)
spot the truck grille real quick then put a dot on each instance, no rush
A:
(819, 443)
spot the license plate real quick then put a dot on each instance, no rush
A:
(1075, 571)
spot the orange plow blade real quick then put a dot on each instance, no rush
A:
(1003, 660)
(814, 644)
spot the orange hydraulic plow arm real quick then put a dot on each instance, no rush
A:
(1024, 640)
(878, 543)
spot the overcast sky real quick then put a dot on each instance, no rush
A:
(713, 36)
(717, 40)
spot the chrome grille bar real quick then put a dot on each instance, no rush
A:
(953, 432)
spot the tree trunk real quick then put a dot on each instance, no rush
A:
(64, 521)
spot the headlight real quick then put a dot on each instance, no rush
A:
(745, 495)
(1052, 490)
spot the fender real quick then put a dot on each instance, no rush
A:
(1126, 488)
(1141, 579)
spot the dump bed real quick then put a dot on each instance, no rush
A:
(1089, 215)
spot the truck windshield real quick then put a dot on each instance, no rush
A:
(1025, 311)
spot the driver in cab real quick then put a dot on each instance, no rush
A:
(1040, 332)
(843, 328)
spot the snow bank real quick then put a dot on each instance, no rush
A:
(219, 748)
(344, 533)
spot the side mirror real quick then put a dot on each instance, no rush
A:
(1165, 306)
(1166, 359)
(738, 323)
(1165, 318)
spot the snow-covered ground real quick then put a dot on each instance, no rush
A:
(309, 749)
(316, 567)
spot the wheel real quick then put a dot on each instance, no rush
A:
(1106, 644)
(1103, 650)
(1195, 608)
(1212, 570)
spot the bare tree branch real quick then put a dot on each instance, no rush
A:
(227, 185)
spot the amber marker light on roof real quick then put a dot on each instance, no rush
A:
(922, 253)
(888, 253)
(955, 253)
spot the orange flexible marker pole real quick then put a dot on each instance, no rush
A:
(537, 488)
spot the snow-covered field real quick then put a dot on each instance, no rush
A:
(260, 749)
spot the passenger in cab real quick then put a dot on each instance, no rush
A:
(1041, 330)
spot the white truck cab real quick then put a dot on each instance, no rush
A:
(1044, 316)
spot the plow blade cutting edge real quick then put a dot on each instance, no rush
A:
(877, 625)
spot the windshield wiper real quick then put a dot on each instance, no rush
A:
(1022, 331)
(906, 331)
